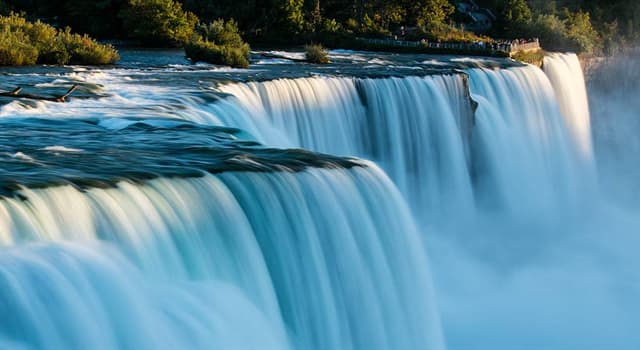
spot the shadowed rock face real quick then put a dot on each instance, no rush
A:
(39, 152)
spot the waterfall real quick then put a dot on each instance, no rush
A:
(523, 155)
(142, 224)
(416, 128)
(565, 73)
(419, 130)
(236, 260)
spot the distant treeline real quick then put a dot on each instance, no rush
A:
(588, 26)
(580, 25)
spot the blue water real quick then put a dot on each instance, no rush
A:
(381, 202)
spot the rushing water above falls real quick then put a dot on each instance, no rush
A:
(172, 205)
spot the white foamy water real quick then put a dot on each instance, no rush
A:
(495, 165)
(218, 260)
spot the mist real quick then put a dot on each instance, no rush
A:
(567, 278)
(614, 93)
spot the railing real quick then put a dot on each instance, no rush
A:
(509, 47)
(525, 46)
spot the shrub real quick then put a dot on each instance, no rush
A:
(316, 54)
(207, 51)
(15, 51)
(26, 43)
(221, 32)
(219, 42)
(81, 49)
(158, 22)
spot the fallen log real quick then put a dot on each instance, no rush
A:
(16, 93)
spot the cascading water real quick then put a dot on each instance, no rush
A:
(529, 175)
(416, 128)
(239, 270)
(523, 156)
(156, 216)
(210, 241)
(565, 74)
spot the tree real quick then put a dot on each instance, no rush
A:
(516, 16)
(219, 42)
(433, 13)
(158, 22)
(581, 32)
(292, 16)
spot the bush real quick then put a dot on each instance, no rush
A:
(15, 51)
(26, 43)
(316, 54)
(81, 49)
(221, 32)
(219, 42)
(158, 22)
(207, 51)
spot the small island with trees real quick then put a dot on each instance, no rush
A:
(219, 32)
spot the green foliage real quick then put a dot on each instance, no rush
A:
(331, 26)
(585, 26)
(219, 42)
(517, 11)
(616, 23)
(221, 32)
(369, 28)
(14, 50)
(551, 30)
(434, 13)
(292, 16)
(158, 22)
(206, 51)
(315, 53)
(570, 31)
(81, 49)
(26, 43)
(580, 31)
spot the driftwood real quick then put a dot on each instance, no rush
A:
(16, 93)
